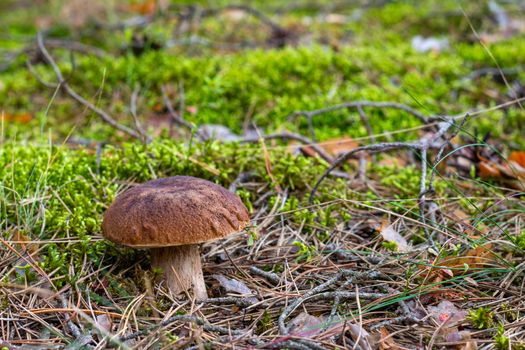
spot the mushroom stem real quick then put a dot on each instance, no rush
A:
(182, 268)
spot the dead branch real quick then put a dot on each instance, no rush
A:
(32, 51)
(283, 329)
(375, 148)
(296, 137)
(436, 141)
(176, 117)
(183, 318)
(62, 84)
(366, 123)
(270, 276)
(133, 110)
(361, 104)
(493, 72)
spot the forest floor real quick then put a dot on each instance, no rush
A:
(378, 145)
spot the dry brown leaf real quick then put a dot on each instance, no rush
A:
(387, 342)
(334, 147)
(447, 312)
(488, 170)
(389, 234)
(24, 242)
(469, 345)
(104, 322)
(461, 216)
(22, 118)
(474, 258)
(511, 175)
(518, 157)
(339, 146)
(306, 325)
(147, 7)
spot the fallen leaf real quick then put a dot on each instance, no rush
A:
(334, 147)
(308, 326)
(488, 170)
(392, 161)
(475, 258)
(335, 18)
(147, 7)
(386, 342)
(104, 322)
(360, 335)
(24, 242)
(460, 216)
(510, 173)
(22, 118)
(232, 285)
(447, 312)
(389, 234)
(339, 146)
(517, 157)
(234, 15)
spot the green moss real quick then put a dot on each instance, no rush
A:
(269, 85)
(481, 318)
(55, 192)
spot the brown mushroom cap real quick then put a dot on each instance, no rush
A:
(173, 211)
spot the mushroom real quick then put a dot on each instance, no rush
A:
(171, 217)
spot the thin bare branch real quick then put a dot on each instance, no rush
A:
(62, 83)
(296, 137)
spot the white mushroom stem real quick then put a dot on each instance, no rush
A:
(182, 269)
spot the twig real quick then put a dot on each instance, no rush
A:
(182, 100)
(494, 72)
(184, 318)
(311, 294)
(241, 178)
(362, 104)
(366, 123)
(81, 340)
(175, 117)
(375, 148)
(62, 83)
(270, 276)
(347, 255)
(240, 302)
(12, 57)
(133, 110)
(291, 136)
(422, 145)
(288, 344)
(442, 149)
(424, 190)
(342, 295)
